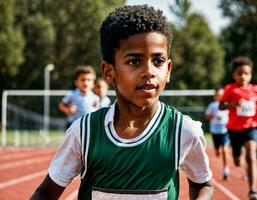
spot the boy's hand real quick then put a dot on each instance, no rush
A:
(72, 109)
(96, 104)
(209, 116)
(240, 103)
(226, 105)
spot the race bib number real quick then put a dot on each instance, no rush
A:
(103, 195)
(248, 109)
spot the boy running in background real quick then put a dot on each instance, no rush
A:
(101, 89)
(134, 148)
(217, 125)
(81, 100)
(240, 99)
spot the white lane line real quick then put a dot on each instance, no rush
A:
(22, 179)
(14, 150)
(25, 154)
(73, 195)
(225, 190)
(14, 164)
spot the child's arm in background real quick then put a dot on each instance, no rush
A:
(227, 105)
(67, 109)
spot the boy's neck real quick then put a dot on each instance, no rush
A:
(84, 92)
(129, 122)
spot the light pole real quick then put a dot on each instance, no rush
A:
(48, 69)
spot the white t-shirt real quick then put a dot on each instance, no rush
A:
(217, 124)
(84, 103)
(67, 162)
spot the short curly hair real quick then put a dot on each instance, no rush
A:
(130, 20)
(84, 69)
(240, 61)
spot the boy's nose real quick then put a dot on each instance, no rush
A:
(148, 71)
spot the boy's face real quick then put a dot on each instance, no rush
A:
(218, 94)
(242, 75)
(85, 82)
(141, 70)
(101, 88)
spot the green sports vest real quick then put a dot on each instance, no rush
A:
(144, 166)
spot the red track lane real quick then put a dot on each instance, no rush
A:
(18, 181)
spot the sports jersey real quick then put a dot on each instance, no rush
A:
(84, 103)
(244, 117)
(144, 167)
(217, 124)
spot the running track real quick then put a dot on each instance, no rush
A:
(23, 169)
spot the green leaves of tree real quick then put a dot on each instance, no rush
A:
(37, 32)
(196, 52)
(240, 37)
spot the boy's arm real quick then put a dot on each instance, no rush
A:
(208, 116)
(48, 189)
(227, 105)
(203, 191)
(66, 109)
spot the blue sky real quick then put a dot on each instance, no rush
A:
(209, 8)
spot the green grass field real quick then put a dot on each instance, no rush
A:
(33, 138)
(37, 139)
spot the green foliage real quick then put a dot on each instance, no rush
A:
(240, 37)
(198, 57)
(61, 32)
(11, 44)
(196, 53)
(181, 10)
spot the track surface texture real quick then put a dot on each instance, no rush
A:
(23, 169)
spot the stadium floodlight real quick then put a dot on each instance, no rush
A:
(48, 69)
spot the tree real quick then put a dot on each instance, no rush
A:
(198, 56)
(35, 33)
(240, 37)
(181, 9)
(11, 45)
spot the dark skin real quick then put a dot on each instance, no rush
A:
(202, 191)
(48, 189)
(141, 71)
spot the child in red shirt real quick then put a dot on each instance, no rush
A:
(240, 98)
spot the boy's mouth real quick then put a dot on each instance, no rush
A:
(149, 86)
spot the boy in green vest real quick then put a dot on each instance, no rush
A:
(133, 149)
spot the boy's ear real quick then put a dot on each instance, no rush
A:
(169, 70)
(107, 72)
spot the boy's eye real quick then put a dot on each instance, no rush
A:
(134, 62)
(158, 61)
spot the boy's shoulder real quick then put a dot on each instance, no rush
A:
(170, 108)
(230, 85)
(73, 92)
(188, 124)
(254, 87)
(213, 103)
(101, 112)
(191, 124)
(91, 94)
